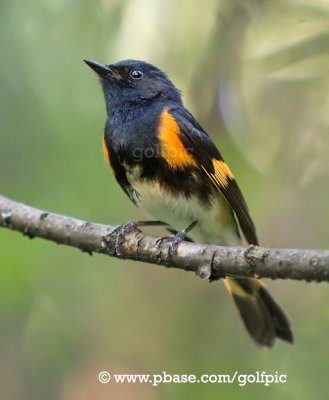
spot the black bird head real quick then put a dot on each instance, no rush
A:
(133, 81)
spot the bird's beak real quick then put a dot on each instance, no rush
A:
(102, 70)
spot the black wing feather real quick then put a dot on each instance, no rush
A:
(199, 144)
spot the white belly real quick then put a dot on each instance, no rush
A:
(215, 224)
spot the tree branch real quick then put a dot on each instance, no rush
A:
(258, 262)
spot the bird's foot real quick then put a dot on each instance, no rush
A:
(120, 231)
(174, 240)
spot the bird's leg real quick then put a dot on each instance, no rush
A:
(132, 225)
(174, 240)
(121, 230)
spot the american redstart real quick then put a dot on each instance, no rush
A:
(168, 165)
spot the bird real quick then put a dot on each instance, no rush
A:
(169, 166)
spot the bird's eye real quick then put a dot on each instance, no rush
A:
(136, 74)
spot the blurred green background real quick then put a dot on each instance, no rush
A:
(256, 75)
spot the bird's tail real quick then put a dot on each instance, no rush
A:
(262, 316)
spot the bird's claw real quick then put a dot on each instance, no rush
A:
(174, 240)
(116, 236)
(119, 232)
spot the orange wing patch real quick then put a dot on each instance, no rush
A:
(172, 148)
(221, 175)
(105, 152)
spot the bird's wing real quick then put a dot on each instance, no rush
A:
(210, 162)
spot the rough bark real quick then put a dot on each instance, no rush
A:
(205, 260)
